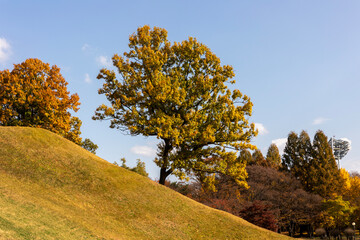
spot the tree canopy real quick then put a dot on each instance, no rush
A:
(178, 93)
(273, 157)
(258, 159)
(34, 94)
(245, 156)
(312, 164)
(324, 170)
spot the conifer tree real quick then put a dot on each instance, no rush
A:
(245, 156)
(313, 165)
(325, 173)
(290, 156)
(258, 159)
(303, 171)
(273, 157)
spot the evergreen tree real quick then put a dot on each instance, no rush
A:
(258, 159)
(303, 171)
(273, 156)
(313, 165)
(290, 156)
(245, 156)
(325, 174)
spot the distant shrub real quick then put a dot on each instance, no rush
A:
(89, 145)
(349, 232)
(190, 190)
(320, 232)
(139, 168)
(335, 233)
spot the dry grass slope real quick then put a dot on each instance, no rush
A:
(51, 188)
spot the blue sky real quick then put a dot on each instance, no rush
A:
(299, 61)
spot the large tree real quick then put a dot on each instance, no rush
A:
(34, 94)
(312, 164)
(290, 155)
(178, 93)
(304, 171)
(325, 172)
(297, 158)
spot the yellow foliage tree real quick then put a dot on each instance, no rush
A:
(177, 92)
(35, 94)
(353, 194)
(344, 183)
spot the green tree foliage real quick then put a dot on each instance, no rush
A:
(337, 213)
(34, 94)
(324, 170)
(178, 93)
(349, 190)
(305, 169)
(139, 168)
(273, 157)
(290, 156)
(89, 145)
(312, 164)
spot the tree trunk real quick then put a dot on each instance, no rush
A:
(163, 172)
(163, 175)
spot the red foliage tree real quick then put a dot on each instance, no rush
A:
(259, 213)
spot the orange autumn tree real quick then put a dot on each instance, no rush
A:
(34, 94)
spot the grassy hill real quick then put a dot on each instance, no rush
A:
(51, 188)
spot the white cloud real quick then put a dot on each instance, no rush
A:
(85, 47)
(319, 120)
(104, 61)
(347, 140)
(87, 78)
(5, 50)
(261, 128)
(280, 143)
(144, 151)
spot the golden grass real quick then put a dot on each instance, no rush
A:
(51, 188)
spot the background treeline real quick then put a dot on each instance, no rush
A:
(301, 192)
